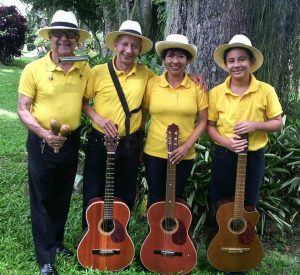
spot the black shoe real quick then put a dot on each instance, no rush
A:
(48, 269)
(64, 251)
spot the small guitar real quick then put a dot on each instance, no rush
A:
(106, 244)
(236, 247)
(168, 247)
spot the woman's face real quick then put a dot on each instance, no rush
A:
(238, 63)
(175, 62)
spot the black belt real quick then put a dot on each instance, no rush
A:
(134, 137)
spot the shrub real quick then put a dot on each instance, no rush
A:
(99, 59)
(13, 27)
(30, 46)
(280, 191)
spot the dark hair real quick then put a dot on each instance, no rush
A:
(172, 50)
(249, 53)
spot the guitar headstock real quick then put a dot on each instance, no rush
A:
(172, 137)
(111, 143)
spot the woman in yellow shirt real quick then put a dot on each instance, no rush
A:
(173, 98)
(240, 105)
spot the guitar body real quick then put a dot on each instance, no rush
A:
(236, 246)
(176, 239)
(106, 249)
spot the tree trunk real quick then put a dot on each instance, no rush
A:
(207, 24)
(272, 26)
(142, 12)
(137, 10)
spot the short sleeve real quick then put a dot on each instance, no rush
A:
(202, 99)
(212, 111)
(273, 105)
(89, 90)
(27, 84)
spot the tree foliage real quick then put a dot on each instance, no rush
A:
(13, 27)
(102, 15)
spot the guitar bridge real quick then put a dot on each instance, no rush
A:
(235, 250)
(167, 253)
(105, 252)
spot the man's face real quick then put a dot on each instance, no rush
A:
(63, 42)
(127, 48)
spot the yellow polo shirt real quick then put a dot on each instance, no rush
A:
(258, 103)
(54, 93)
(169, 105)
(106, 99)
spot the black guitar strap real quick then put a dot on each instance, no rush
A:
(122, 98)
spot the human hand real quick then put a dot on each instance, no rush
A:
(57, 130)
(199, 81)
(244, 127)
(54, 141)
(108, 126)
(236, 144)
(178, 154)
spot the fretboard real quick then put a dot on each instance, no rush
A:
(240, 185)
(170, 190)
(109, 186)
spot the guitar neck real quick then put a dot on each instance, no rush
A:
(109, 186)
(240, 185)
(172, 144)
(170, 190)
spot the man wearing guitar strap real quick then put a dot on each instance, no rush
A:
(108, 111)
(240, 105)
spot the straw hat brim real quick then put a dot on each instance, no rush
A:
(160, 46)
(219, 55)
(83, 35)
(110, 40)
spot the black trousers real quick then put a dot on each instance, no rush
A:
(156, 174)
(51, 179)
(126, 170)
(223, 178)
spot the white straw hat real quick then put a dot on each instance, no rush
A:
(176, 41)
(64, 20)
(238, 41)
(132, 28)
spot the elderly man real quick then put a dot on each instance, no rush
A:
(127, 43)
(53, 89)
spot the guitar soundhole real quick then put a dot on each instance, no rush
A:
(107, 225)
(237, 225)
(169, 224)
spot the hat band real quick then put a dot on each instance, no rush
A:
(132, 31)
(64, 24)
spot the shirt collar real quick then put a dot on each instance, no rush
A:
(163, 82)
(131, 72)
(253, 87)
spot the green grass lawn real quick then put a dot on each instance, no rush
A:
(16, 247)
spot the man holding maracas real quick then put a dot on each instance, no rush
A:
(53, 88)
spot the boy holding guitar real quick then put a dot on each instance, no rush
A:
(238, 106)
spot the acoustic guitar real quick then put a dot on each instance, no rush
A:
(168, 247)
(106, 244)
(235, 247)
